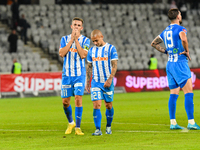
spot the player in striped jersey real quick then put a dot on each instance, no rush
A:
(178, 71)
(74, 49)
(102, 65)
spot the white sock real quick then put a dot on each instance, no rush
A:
(173, 121)
(71, 122)
(191, 121)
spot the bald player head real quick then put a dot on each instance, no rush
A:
(97, 37)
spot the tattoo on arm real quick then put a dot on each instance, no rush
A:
(114, 69)
(156, 44)
(89, 72)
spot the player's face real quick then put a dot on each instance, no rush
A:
(77, 25)
(97, 40)
(180, 17)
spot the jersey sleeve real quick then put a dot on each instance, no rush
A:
(89, 56)
(161, 35)
(114, 55)
(183, 29)
(86, 44)
(62, 42)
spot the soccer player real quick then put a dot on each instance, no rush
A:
(178, 71)
(74, 49)
(102, 65)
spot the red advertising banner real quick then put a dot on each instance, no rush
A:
(133, 81)
(30, 82)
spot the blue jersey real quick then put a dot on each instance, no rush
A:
(173, 43)
(101, 57)
(73, 65)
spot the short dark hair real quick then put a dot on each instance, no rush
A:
(77, 18)
(173, 13)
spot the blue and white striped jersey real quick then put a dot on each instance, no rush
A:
(73, 65)
(101, 57)
(173, 43)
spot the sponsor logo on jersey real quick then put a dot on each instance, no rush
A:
(184, 30)
(73, 50)
(99, 58)
(175, 50)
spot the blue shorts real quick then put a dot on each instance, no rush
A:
(177, 74)
(72, 86)
(98, 92)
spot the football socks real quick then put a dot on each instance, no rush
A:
(78, 116)
(97, 118)
(189, 106)
(68, 113)
(109, 116)
(172, 105)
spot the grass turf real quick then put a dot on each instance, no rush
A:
(141, 121)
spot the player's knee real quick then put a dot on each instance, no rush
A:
(78, 101)
(66, 102)
(108, 105)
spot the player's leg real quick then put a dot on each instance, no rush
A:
(66, 93)
(174, 93)
(109, 116)
(78, 114)
(97, 117)
(189, 105)
(79, 85)
(68, 112)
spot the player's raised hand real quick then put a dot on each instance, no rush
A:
(77, 34)
(186, 53)
(73, 35)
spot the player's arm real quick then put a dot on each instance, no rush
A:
(82, 52)
(63, 51)
(113, 72)
(185, 44)
(88, 76)
(156, 44)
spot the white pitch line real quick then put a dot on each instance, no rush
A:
(90, 123)
(121, 131)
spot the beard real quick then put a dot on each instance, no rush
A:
(180, 21)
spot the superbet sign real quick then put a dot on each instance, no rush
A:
(149, 80)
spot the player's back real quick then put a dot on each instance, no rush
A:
(173, 42)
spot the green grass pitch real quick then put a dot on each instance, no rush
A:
(141, 122)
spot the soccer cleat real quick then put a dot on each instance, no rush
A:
(69, 128)
(108, 130)
(175, 127)
(193, 127)
(78, 131)
(97, 132)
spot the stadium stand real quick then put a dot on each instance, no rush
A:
(130, 27)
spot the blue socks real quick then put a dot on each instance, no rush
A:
(109, 116)
(189, 106)
(97, 118)
(78, 116)
(68, 113)
(172, 105)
